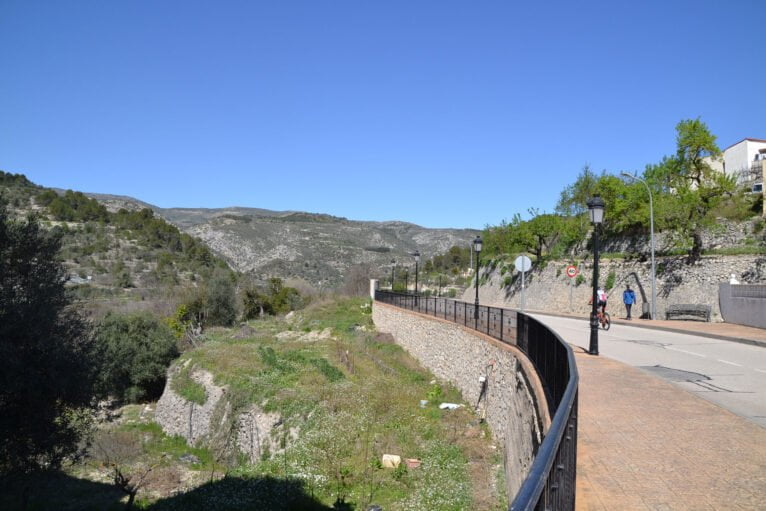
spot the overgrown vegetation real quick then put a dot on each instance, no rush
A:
(689, 196)
(351, 395)
(134, 351)
(272, 299)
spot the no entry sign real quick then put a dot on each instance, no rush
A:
(571, 271)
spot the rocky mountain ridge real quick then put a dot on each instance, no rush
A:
(318, 248)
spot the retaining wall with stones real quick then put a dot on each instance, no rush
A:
(677, 282)
(515, 406)
(210, 424)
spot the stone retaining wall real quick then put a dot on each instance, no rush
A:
(456, 354)
(677, 282)
(209, 424)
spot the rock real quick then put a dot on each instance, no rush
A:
(391, 460)
(253, 432)
(177, 416)
(188, 458)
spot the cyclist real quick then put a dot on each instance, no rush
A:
(602, 297)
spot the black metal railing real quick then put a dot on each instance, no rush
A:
(550, 484)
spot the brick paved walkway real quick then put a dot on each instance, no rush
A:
(646, 444)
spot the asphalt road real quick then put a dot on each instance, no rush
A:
(729, 374)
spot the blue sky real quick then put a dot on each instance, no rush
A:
(442, 113)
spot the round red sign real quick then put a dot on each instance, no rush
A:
(571, 271)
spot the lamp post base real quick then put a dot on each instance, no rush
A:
(593, 348)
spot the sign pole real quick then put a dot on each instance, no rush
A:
(522, 291)
(572, 272)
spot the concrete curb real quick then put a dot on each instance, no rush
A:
(740, 340)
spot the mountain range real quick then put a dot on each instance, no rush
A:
(316, 247)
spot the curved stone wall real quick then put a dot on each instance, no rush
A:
(514, 401)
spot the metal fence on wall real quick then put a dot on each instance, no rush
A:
(550, 483)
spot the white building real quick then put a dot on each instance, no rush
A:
(745, 160)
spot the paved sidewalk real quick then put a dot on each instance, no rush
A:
(724, 331)
(646, 444)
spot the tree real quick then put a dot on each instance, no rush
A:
(357, 280)
(221, 300)
(135, 351)
(695, 189)
(276, 299)
(543, 230)
(47, 352)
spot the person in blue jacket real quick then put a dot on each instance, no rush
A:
(628, 298)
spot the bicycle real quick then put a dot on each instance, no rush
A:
(603, 317)
(604, 320)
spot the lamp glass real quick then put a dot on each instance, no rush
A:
(477, 244)
(596, 209)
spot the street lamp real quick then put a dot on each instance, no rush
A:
(477, 248)
(393, 268)
(596, 211)
(651, 233)
(417, 260)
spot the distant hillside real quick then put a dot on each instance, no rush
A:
(114, 255)
(319, 248)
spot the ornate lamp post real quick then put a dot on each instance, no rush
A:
(476, 248)
(651, 233)
(417, 260)
(596, 211)
(393, 269)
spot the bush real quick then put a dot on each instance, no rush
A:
(277, 299)
(610, 280)
(221, 300)
(135, 351)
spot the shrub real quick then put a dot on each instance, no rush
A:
(579, 280)
(135, 351)
(277, 299)
(609, 284)
(221, 301)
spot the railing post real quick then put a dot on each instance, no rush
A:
(502, 325)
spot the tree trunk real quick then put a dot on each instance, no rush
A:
(131, 498)
(695, 254)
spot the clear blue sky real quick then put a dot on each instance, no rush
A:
(442, 113)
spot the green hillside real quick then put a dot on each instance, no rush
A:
(114, 259)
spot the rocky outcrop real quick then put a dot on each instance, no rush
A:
(214, 424)
(177, 416)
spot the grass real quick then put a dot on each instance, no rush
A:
(352, 397)
(187, 388)
(345, 400)
(746, 250)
